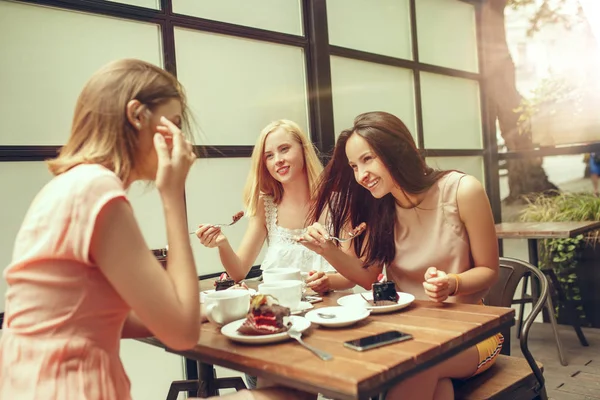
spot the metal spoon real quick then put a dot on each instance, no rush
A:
(326, 316)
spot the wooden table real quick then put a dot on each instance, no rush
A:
(533, 231)
(439, 330)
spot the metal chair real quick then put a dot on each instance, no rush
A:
(510, 378)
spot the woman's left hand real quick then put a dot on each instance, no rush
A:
(436, 285)
(318, 281)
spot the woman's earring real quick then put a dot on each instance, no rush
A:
(138, 125)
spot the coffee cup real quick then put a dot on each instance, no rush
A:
(282, 274)
(226, 306)
(288, 293)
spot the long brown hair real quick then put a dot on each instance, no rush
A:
(349, 204)
(101, 132)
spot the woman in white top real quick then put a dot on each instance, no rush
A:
(277, 197)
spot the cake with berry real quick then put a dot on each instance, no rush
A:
(265, 317)
(224, 282)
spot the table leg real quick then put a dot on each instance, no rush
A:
(534, 260)
(206, 377)
(552, 318)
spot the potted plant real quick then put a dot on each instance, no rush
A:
(573, 260)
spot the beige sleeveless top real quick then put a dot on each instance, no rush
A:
(431, 235)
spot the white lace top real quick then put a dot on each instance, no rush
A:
(283, 250)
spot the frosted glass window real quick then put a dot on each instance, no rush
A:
(237, 86)
(48, 55)
(381, 27)
(273, 15)
(213, 194)
(451, 112)
(360, 86)
(147, 382)
(148, 210)
(20, 183)
(471, 165)
(155, 4)
(447, 35)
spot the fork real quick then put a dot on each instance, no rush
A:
(220, 225)
(301, 239)
(294, 334)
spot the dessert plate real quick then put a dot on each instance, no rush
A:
(299, 324)
(356, 300)
(205, 292)
(337, 317)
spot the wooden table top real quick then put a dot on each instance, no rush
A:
(544, 230)
(439, 331)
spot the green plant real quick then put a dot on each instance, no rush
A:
(562, 255)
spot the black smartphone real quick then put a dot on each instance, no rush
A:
(378, 340)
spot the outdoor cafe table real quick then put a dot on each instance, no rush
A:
(534, 231)
(440, 330)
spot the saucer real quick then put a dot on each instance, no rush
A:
(303, 306)
(342, 316)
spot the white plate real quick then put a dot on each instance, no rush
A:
(344, 316)
(205, 292)
(230, 330)
(356, 300)
(303, 306)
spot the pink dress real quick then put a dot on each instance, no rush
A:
(63, 319)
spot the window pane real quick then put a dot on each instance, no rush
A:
(360, 86)
(22, 181)
(148, 210)
(381, 27)
(237, 86)
(45, 65)
(273, 15)
(471, 165)
(226, 178)
(447, 34)
(451, 112)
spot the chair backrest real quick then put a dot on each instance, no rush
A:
(511, 272)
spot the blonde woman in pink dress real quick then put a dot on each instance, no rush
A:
(82, 276)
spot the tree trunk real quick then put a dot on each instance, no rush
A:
(525, 176)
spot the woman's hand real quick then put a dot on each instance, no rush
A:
(318, 281)
(210, 236)
(437, 285)
(173, 164)
(316, 238)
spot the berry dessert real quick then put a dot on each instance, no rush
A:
(384, 292)
(224, 282)
(237, 217)
(358, 230)
(265, 317)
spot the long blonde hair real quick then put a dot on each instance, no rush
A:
(260, 182)
(101, 132)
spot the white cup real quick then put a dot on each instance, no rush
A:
(282, 274)
(287, 293)
(226, 306)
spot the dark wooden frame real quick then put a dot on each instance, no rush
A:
(316, 46)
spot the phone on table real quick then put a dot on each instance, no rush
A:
(377, 340)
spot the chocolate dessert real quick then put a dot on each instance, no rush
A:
(384, 292)
(224, 282)
(265, 317)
